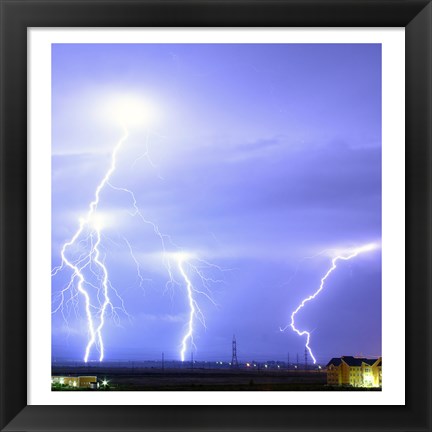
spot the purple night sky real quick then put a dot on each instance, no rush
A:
(255, 158)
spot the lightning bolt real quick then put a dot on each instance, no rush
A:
(87, 240)
(344, 257)
(89, 236)
(186, 267)
(193, 309)
(90, 226)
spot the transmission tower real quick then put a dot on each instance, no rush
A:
(306, 359)
(234, 361)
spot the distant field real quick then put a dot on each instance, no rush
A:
(125, 379)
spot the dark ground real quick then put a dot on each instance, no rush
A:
(187, 379)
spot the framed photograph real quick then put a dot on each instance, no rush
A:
(198, 243)
(215, 215)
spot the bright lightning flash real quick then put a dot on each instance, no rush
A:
(186, 267)
(129, 110)
(82, 254)
(343, 257)
(88, 237)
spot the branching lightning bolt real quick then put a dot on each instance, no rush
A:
(193, 308)
(93, 257)
(86, 260)
(184, 262)
(345, 257)
(88, 238)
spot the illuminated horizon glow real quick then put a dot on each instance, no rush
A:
(366, 248)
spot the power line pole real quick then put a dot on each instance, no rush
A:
(163, 362)
(297, 362)
(306, 359)
(288, 365)
(234, 361)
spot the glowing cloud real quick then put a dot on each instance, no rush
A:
(129, 110)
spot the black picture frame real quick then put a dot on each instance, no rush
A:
(17, 16)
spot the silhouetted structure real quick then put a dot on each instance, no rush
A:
(234, 361)
(306, 359)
